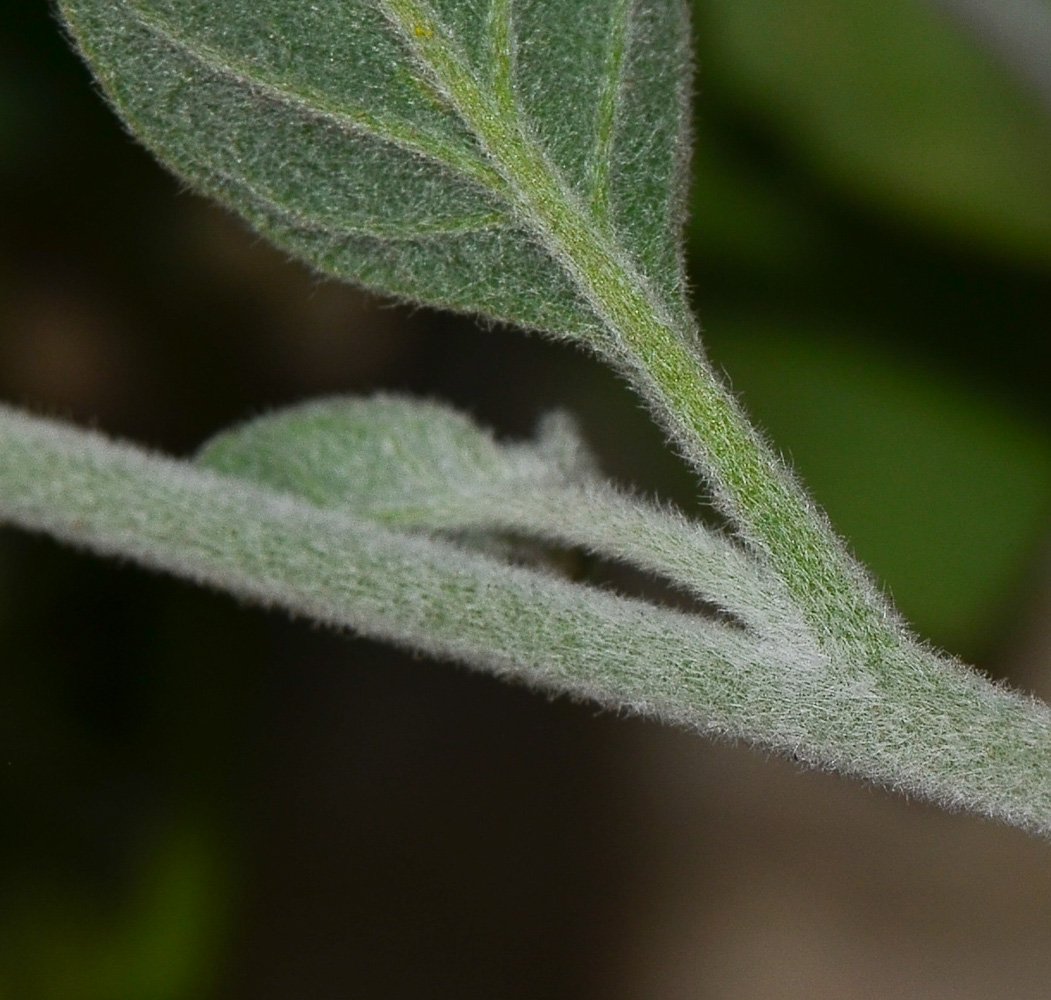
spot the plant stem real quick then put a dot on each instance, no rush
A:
(753, 487)
(921, 724)
(663, 361)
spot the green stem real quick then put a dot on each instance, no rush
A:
(924, 725)
(663, 361)
(752, 486)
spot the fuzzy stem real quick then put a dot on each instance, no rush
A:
(663, 361)
(924, 725)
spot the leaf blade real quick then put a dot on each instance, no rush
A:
(422, 465)
(328, 123)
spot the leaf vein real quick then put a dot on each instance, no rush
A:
(427, 230)
(501, 48)
(606, 118)
(603, 272)
(385, 128)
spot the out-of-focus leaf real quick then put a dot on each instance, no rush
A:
(896, 105)
(160, 942)
(740, 218)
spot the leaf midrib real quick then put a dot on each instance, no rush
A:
(603, 272)
(613, 82)
(355, 119)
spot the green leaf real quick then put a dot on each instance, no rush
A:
(444, 152)
(898, 107)
(421, 465)
(391, 457)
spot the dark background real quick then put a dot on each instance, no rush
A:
(198, 799)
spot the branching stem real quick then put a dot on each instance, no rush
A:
(662, 360)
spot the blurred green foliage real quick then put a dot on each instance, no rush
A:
(158, 942)
(871, 247)
(892, 105)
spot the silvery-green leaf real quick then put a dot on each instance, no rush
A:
(388, 456)
(420, 148)
(423, 466)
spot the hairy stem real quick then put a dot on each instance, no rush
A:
(663, 360)
(923, 725)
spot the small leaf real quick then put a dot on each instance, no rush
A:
(388, 457)
(425, 150)
(423, 466)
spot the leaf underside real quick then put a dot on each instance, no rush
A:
(338, 129)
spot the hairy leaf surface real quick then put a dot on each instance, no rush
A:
(391, 456)
(420, 149)
(424, 466)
